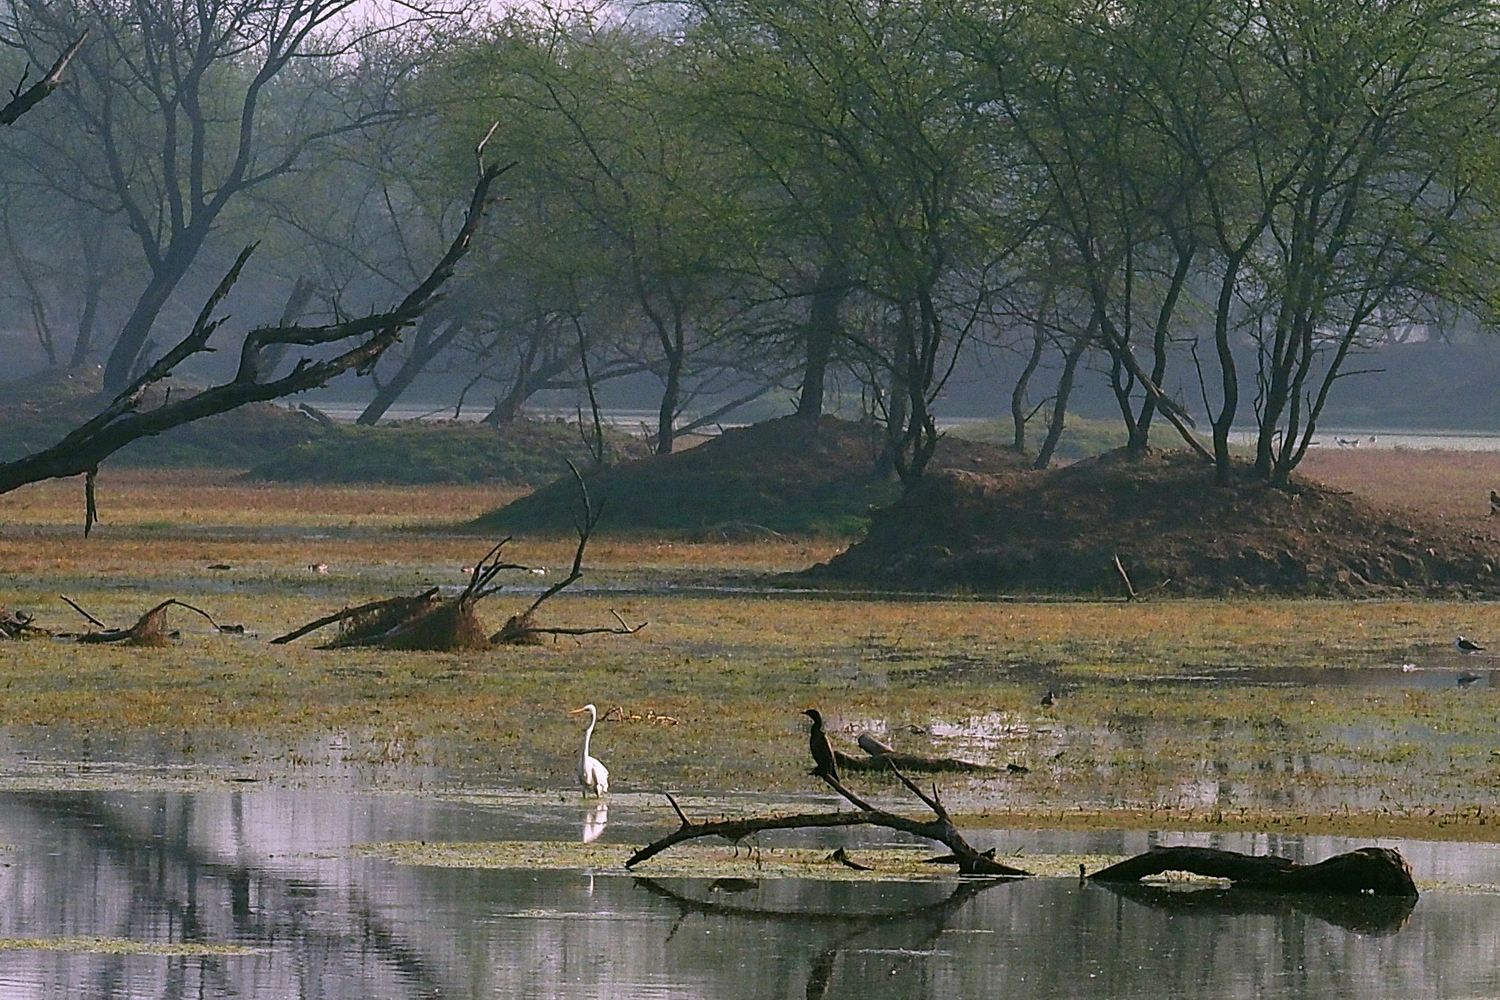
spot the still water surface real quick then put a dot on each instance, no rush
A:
(273, 870)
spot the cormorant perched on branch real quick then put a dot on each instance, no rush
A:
(822, 750)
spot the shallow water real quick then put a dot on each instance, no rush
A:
(273, 869)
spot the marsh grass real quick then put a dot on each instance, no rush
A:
(1227, 715)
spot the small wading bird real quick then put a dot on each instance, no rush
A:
(1467, 645)
(592, 775)
(822, 750)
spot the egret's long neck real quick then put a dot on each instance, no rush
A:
(588, 733)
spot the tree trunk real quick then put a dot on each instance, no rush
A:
(822, 333)
(92, 286)
(426, 346)
(1018, 393)
(1060, 404)
(132, 337)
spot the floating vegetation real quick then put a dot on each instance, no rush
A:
(122, 946)
(894, 864)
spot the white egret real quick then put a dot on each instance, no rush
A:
(592, 775)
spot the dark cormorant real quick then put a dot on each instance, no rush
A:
(822, 750)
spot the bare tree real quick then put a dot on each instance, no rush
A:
(124, 420)
(174, 100)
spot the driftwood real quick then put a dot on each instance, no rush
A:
(149, 630)
(398, 608)
(1378, 871)
(940, 828)
(430, 621)
(17, 625)
(1369, 871)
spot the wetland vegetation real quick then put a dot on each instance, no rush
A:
(1245, 714)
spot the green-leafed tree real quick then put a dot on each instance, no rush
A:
(867, 130)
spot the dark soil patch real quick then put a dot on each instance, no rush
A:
(411, 452)
(1172, 529)
(787, 475)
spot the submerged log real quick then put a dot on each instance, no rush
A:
(1378, 871)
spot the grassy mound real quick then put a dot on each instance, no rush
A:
(414, 452)
(788, 475)
(38, 411)
(1171, 528)
(1081, 437)
(279, 443)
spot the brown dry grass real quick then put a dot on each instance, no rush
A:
(1449, 485)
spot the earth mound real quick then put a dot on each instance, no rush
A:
(448, 451)
(786, 475)
(1172, 530)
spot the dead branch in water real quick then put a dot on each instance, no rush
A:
(940, 828)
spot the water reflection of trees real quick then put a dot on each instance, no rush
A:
(176, 892)
(1363, 914)
(930, 918)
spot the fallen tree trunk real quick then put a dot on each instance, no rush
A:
(431, 622)
(1378, 871)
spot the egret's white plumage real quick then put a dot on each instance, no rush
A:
(592, 775)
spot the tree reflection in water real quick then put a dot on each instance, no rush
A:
(174, 894)
(931, 918)
(1361, 913)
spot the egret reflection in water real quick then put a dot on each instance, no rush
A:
(594, 822)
